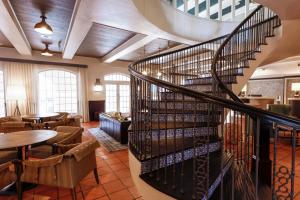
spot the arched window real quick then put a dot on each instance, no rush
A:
(58, 91)
(117, 93)
(2, 95)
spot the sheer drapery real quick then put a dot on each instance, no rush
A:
(20, 86)
(82, 94)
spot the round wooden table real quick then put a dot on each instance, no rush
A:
(20, 140)
(39, 117)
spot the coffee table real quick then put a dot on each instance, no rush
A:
(21, 140)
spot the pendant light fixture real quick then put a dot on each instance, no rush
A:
(42, 27)
(46, 51)
(98, 87)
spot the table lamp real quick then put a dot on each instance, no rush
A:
(16, 93)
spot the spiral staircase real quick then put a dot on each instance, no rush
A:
(192, 137)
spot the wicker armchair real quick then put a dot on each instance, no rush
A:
(65, 170)
(6, 175)
(65, 135)
(13, 124)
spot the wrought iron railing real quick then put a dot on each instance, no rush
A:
(193, 142)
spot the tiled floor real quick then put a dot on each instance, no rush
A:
(116, 182)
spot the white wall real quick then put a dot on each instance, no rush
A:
(96, 69)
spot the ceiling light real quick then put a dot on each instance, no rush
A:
(42, 27)
(46, 51)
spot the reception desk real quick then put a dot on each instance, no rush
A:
(118, 129)
(258, 102)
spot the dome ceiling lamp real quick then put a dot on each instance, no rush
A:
(46, 51)
(42, 27)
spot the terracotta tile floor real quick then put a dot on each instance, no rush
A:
(115, 179)
(116, 182)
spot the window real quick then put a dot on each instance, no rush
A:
(57, 91)
(111, 97)
(2, 95)
(117, 93)
(116, 77)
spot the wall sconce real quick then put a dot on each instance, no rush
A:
(296, 89)
(98, 87)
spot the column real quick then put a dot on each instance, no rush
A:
(247, 7)
(208, 9)
(185, 4)
(174, 3)
(233, 10)
(196, 8)
(220, 10)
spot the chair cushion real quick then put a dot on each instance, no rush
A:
(41, 151)
(59, 137)
(6, 156)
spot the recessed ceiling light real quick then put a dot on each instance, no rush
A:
(46, 51)
(42, 27)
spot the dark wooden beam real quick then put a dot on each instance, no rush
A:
(43, 62)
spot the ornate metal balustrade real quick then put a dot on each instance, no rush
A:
(193, 141)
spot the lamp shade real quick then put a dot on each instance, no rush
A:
(16, 93)
(42, 27)
(295, 86)
(98, 87)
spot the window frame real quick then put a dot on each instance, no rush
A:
(118, 83)
(59, 70)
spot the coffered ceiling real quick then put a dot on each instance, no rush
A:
(58, 13)
(4, 41)
(102, 39)
(151, 48)
(85, 36)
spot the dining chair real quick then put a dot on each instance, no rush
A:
(65, 135)
(7, 176)
(65, 170)
(54, 122)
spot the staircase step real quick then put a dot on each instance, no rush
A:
(209, 80)
(187, 132)
(178, 125)
(170, 96)
(176, 151)
(203, 88)
(162, 117)
(177, 180)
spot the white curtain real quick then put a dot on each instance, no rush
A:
(20, 85)
(82, 94)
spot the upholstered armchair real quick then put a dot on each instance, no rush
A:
(13, 124)
(8, 155)
(73, 120)
(65, 170)
(65, 135)
(57, 121)
(6, 175)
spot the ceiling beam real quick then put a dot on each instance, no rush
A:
(79, 27)
(127, 47)
(11, 28)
